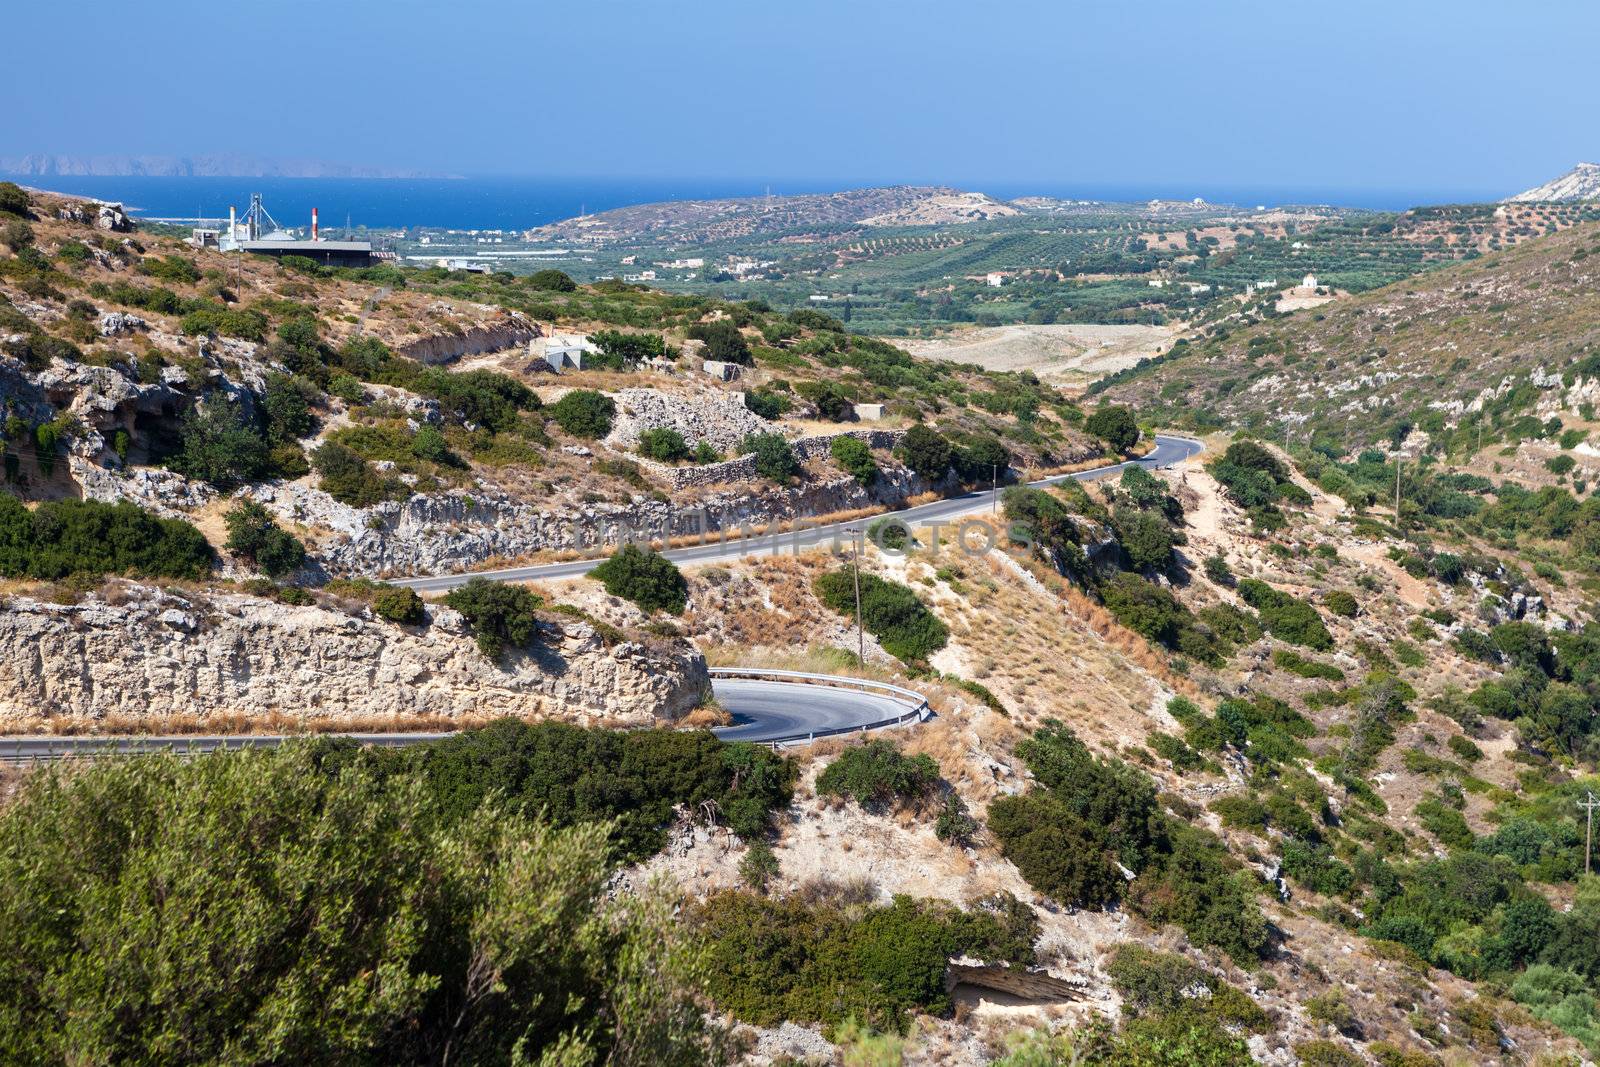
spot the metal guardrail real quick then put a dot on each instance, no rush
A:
(918, 706)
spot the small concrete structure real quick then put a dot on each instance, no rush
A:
(662, 365)
(563, 352)
(1308, 282)
(720, 369)
(869, 412)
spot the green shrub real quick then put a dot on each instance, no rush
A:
(430, 445)
(620, 350)
(300, 905)
(774, 960)
(499, 614)
(1146, 537)
(286, 404)
(1146, 608)
(1164, 983)
(1286, 617)
(551, 280)
(256, 536)
(351, 480)
(1341, 603)
(1217, 569)
(855, 458)
(88, 537)
(1323, 1053)
(1115, 425)
(16, 235)
(398, 603)
(649, 580)
(723, 341)
(891, 612)
(663, 444)
(774, 458)
(13, 199)
(1295, 663)
(584, 413)
(485, 398)
(247, 324)
(1444, 822)
(220, 447)
(925, 451)
(767, 404)
(831, 400)
(1057, 852)
(955, 825)
(170, 268)
(983, 460)
(1088, 814)
(889, 534)
(876, 773)
(637, 778)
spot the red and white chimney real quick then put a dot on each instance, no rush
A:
(314, 224)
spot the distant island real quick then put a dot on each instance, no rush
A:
(40, 165)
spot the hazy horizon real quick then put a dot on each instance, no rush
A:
(1026, 95)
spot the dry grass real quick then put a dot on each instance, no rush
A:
(233, 722)
(705, 717)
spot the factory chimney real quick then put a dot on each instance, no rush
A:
(233, 225)
(313, 224)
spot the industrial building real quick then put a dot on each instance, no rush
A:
(259, 233)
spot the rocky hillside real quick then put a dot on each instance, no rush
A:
(139, 368)
(1228, 764)
(1580, 183)
(702, 221)
(1486, 343)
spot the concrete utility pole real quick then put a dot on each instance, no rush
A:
(1588, 803)
(994, 488)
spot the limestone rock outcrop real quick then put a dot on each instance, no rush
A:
(508, 331)
(145, 658)
(718, 417)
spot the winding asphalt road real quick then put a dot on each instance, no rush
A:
(762, 710)
(768, 711)
(1168, 451)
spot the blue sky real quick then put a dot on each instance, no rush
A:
(1450, 97)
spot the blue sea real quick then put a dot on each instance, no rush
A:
(514, 203)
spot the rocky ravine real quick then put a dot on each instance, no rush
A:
(149, 659)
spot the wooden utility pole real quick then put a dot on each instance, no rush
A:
(1588, 803)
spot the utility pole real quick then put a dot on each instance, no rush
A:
(1588, 803)
(994, 488)
(1398, 462)
(855, 571)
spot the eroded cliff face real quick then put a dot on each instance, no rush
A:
(139, 658)
(455, 531)
(509, 331)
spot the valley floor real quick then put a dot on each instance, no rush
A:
(1063, 354)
